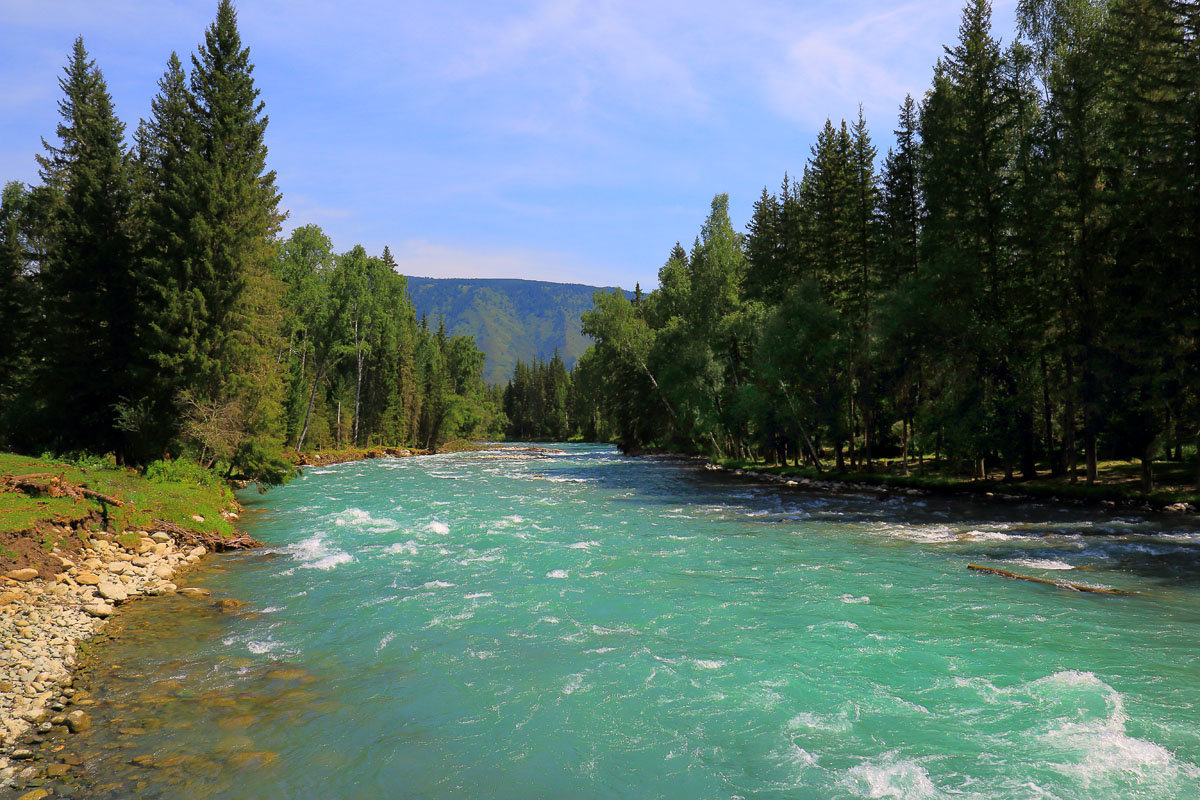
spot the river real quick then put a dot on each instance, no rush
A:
(584, 625)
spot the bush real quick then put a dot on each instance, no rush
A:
(182, 470)
(265, 466)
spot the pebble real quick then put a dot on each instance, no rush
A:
(42, 622)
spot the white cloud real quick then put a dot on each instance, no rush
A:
(440, 260)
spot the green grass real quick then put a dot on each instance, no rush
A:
(169, 491)
(1117, 481)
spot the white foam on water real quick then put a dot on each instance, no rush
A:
(793, 755)
(549, 620)
(574, 684)
(582, 545)
(557, 573)
(852, 600)
(407, 548)
(387, 637)
(835, 623)
(436, 585)
(890, 776)
(320, 471)
(987, 536)
(476, 595)
(439, 528)
(357, 518)
(708, 663)
(314, 553)
(260, 648)
(272, 609)
(1094, 747)
(1040, 563)
(820, 722)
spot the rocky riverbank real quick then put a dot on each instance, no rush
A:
(965, 488)
(45, 623)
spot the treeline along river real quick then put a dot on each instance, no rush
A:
(521, 625)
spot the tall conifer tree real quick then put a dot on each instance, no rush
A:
(93, 313)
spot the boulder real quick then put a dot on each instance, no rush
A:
(78, 720)
(164, 572)
(161, 536)
(25, 574)
(114, 592)
(87, 579)
(100, 610)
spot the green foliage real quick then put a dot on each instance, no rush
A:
(1017, 289)
(182, 470)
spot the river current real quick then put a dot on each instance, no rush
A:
(582, 625)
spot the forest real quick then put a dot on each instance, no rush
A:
(152, 309)
(1015, 288)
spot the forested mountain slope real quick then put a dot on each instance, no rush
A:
(510, 318)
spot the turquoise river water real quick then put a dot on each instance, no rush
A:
(582, 625)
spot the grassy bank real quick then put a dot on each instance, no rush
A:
(1117, 482)
(47, 503)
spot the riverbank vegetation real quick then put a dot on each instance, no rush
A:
(152, 310)
(1016, 290)
(48, 503)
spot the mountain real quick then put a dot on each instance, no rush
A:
(510, 318)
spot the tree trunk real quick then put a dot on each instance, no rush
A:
(1089, 445)
(904, 457)
(312, 396)
(1048, 421)
(1148, 467)
(1028, 453)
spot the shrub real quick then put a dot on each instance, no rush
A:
(182, 470)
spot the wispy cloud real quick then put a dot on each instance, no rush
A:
(441, 260)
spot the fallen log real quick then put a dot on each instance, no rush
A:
(1073, 587)
(211, 541)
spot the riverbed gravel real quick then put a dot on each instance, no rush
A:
(45, 623)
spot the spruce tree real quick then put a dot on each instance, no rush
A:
(235, 218)
(173, 349)
(92, 312)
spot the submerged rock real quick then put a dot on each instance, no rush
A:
(78, 721)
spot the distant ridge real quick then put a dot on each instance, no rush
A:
(510, 318)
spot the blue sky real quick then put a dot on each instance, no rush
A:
(559, 140)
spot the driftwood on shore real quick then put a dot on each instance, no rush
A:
(211, 541)
(1074, 587)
